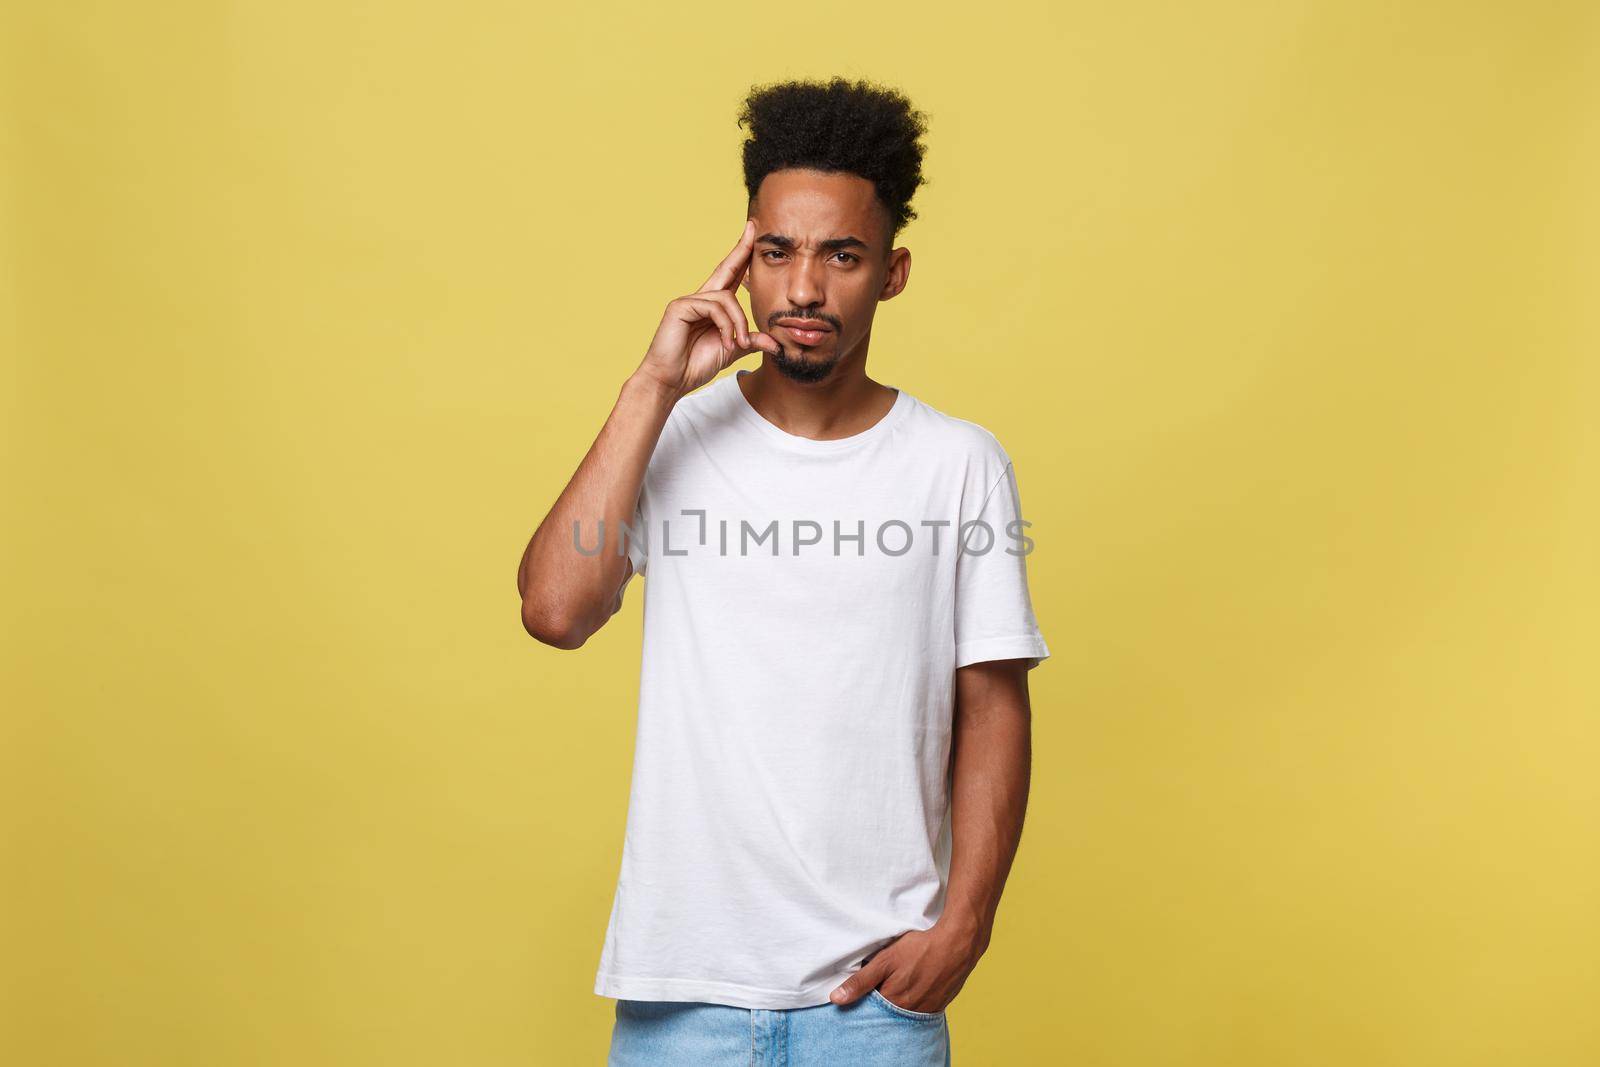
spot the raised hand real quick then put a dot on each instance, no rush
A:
(702, 333)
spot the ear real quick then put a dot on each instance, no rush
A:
(894, 282)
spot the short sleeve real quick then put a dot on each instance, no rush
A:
(994, 613)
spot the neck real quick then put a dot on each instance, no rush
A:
(843, 404)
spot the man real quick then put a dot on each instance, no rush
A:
(833, 733)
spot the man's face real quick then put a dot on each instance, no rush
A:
(822, 260)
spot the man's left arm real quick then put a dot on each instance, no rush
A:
(991, 754)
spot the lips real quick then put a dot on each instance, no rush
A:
(807, 333)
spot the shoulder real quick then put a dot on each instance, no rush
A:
(957, 440)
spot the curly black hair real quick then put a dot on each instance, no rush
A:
(859, 127)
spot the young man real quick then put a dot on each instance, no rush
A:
(833, 733)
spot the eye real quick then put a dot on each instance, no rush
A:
(770, 252)
(850, 256)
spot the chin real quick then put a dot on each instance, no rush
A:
(805, 367)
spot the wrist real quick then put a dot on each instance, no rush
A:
(964, 931)
(650, 389)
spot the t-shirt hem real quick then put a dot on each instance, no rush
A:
(1022, 646)
(630, 987)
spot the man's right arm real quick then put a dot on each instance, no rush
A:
(566, 595)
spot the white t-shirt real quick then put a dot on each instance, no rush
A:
(789, 808)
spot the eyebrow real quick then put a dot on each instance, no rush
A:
(832, 244)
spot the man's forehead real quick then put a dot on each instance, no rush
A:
(813, 206)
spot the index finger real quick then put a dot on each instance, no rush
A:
(727, 272)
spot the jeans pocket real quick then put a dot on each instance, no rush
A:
(889, 1005)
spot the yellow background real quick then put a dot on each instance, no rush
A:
(1285, 311)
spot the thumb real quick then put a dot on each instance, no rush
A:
(862, 982)
(759, 342)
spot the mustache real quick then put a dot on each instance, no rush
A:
(804, 316)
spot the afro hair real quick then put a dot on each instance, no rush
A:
(858, 127)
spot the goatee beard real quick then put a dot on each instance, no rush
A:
(802, 370)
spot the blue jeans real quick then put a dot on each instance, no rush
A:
(871, 1032)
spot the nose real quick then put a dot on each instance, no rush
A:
(805, 282)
